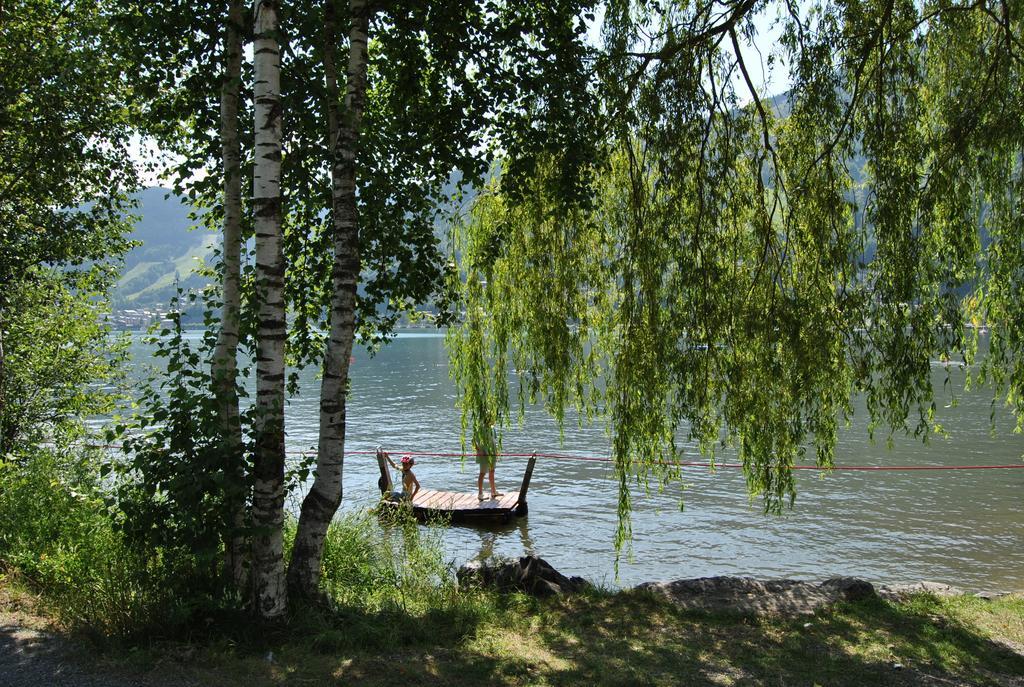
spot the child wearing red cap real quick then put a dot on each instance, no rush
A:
(410, 485)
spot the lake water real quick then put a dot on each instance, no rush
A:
(964, 528)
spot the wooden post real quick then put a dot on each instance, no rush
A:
(384, 483)
(521, 507)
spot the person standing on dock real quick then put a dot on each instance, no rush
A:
(486, 457)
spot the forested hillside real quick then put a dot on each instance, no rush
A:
(171, 250)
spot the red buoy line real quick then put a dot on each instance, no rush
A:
(705, 464)
(682, 464)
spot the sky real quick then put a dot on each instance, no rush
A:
(755, 55)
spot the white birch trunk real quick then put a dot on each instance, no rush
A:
(268, 471)
(3, 382)
(323, 499)
(225, 364)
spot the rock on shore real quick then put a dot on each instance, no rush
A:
(746, 595)
(723, 594)
(530, 574)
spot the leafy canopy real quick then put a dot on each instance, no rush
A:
(740, 268)
(66, 117)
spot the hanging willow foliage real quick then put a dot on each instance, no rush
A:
(742, 270)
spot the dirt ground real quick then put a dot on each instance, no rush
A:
(34, 654)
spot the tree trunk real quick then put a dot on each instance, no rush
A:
(268, 470)
(225, 363)
(320, 505)
(3, 417)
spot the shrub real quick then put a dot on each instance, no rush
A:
(390, 584)
(57, 534)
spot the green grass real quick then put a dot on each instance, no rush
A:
(603, 638)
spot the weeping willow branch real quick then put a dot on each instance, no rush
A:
(738, 275)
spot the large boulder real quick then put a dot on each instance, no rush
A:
(749, 596)
(848, 588)
(529, 574)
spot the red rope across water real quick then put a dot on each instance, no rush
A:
(682, 464)
(697, 464)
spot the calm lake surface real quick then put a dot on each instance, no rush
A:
(964, 528)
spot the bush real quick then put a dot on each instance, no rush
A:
(61, 536)
(57, 534)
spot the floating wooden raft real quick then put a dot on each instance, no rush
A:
(461, 506)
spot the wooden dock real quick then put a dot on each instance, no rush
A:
(462, 507)
(431, 504)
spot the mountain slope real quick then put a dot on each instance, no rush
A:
(168, 256)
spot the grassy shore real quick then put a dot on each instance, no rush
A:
(625, 638)
(118, 611)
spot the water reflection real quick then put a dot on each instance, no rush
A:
(492, 533)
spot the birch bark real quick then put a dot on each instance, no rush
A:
(268, 470)
(3, 381)
(323, 499)
(225, 355)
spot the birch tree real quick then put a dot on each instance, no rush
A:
(324, 496)
(268, 469)
(225, 355)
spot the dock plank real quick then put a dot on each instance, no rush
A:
(463, 505)
(481, 505)
(433, 499)
(441, 499)
(458, 502)
(425, 497)
(422, 497)
(509, 499)
(436, 500)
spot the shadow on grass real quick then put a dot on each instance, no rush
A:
(629, 638)
(632, 638)
(346, 645)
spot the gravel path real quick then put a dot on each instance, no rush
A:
(32, 656)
